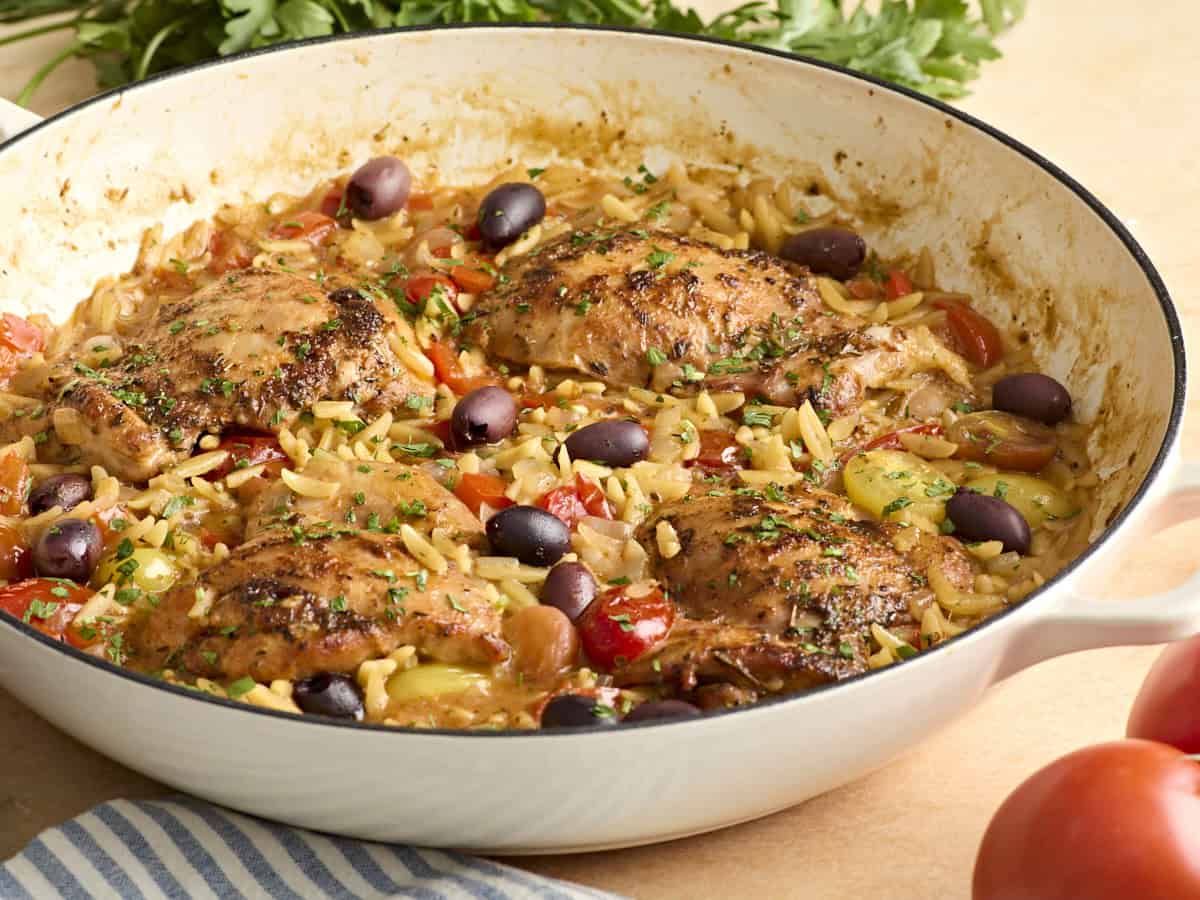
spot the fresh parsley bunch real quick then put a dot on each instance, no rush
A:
(934, 46)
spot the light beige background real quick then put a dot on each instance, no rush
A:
(1111, 96)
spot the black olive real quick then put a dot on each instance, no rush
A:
(663, 709)
(509, 211)
(569, 588)
(65, 491)
(978, 517)
(836, 252)
(484, 416)
(70, 548)
(1034, 396)
(577, 711)
(379, 188)
(529, 533)
(329, 694)
(616, 442)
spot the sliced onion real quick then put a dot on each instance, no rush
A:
(609, 528)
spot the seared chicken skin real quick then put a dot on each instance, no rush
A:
(781, 594)
(656, 309)
(252, 350)
(322, 600)
(370, 495)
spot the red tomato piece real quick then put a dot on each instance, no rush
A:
(891, 440)
(423, 202)
(16, 559)
(426, 285)
(247, 450)
(616, 628)
(313, 227)
(471, 231)
(49, 605)
(15, 482)
(1166, 709)
(1111, 822)
(719, 452)
(18, 340)
(897, 285)
(104, 519)
(331, 203)
(564, 504)
(226, 252)
(448, 371)
(592, 497)
(973, 335)
(472, 280)
(571, 503)
(478, 489)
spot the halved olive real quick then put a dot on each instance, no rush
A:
(1003, 440)
(892, 485)
(1035, 498)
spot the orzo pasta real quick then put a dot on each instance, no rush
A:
(564, 449)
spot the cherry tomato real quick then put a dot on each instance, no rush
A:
(313, 227)
(226, 252)
(247, 450)
(450, 373)
(1003, 440)
(1167, 708)
(441, 429)
(16, 559)
(1116, 821)
(973, 336)
(423, 286)
(576, 501)
(15, 482)
(897, 285)
(472, 280)
(616, 628)
(478, 489)
(719, 452)
(18, 340)
(49, 605)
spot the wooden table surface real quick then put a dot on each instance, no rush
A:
(1110, 96)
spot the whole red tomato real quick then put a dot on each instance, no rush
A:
(1167, 708)
(1117, 821)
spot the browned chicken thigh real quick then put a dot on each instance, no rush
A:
(369, 495)
(781, 594)
(252, 350)
(323, 600)
(637, 308)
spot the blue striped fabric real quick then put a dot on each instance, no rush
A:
(184, 848)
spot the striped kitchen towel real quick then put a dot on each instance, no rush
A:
(185, 848)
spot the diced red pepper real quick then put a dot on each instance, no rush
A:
(227, 252)
(422, 202)
(477, 489)
(420, 287)
(472, 280)
(448, 371)
(891, 440)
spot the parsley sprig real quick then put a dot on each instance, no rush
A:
(934, 46)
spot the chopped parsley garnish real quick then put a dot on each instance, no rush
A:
(241, 687)
(655, 357)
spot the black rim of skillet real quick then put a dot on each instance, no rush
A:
(1109, 218)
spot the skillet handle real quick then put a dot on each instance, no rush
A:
(1081, 622)
(14, 119)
